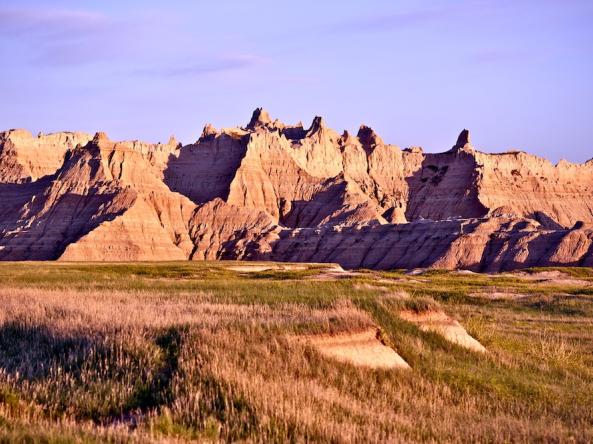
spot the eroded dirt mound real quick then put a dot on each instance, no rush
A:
(498, 295)
(363, 348)
(553, 277)
(246, 267)
(439, 322)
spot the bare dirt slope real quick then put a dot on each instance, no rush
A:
(363, 349)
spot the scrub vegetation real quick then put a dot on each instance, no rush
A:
(174, 352)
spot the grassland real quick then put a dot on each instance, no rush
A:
(176, 352)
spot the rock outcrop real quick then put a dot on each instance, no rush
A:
(271, 191)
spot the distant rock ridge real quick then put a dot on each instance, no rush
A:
(272, 191)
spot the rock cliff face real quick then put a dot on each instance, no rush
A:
(271, 191)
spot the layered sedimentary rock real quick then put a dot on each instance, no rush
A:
(271, 191)
(25, 158)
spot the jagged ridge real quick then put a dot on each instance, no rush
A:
(284, 192)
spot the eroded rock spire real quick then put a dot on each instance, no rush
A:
(463, 141)
(260, 117)
(208, 133)
(368, 137)
(100, 136)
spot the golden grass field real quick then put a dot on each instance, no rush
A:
(219, 351)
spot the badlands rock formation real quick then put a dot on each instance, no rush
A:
(271, 191)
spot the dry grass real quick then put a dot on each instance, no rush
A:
(554, 347)
(176, 352)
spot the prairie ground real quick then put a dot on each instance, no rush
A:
(175, 352)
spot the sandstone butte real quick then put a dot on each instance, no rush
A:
(270, 191)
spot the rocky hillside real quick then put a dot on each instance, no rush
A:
(270, 191)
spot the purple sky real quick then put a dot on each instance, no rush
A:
(517, 73)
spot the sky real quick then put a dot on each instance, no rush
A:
(517, 73)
